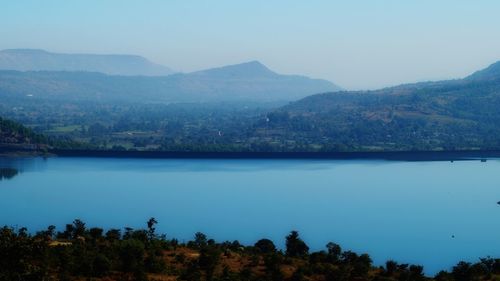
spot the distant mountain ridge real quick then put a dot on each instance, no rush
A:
(491, 72)
(40, 60)
(250, 81)
(247, 69)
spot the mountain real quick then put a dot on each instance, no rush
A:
(491, 72)
(246, 81)
(445, 115)
(252, 69)
(39, 60)
(243, 82)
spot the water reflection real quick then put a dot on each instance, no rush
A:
(8, 173)
(11, 167)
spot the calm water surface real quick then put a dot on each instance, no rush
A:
(407, 211)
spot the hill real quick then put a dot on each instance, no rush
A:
(40, 60)
(445, 115)
(244, 82)
(13, 133)
(247, 81)
(491, 72)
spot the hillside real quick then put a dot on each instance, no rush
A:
(244, 82)
(40, 60)
(13, 133)
(492, 72)
(446, 115)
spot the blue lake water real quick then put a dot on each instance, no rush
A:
(406, 211)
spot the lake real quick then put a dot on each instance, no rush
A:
(429, 213)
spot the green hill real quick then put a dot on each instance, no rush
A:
(13, 133)
(446, 115)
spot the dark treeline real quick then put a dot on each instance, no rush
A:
(16, 136)
(13, 132)
(82, 253)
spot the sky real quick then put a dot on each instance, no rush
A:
(357, 44)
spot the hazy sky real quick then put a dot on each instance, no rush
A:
(357, 44)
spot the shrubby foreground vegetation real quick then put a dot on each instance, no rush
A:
(82, 253)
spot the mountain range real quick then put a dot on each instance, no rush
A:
(459, 114)
(27, 74)
(40, 60)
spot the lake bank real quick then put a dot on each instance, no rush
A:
(375, 155)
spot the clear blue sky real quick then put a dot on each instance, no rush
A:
(358, 44)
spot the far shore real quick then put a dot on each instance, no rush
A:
(366, 155)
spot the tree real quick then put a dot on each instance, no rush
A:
(265, 246)
(96, 233)
(78, 228)
(113, 234)
(361, 265)
(295, 247)
(47, 234)
(208, 260)
(390, 267)
(488, 264)
(461, 271)
(101, 265)
(67, 233)
(51, 230)
(151, 228)
(272, 263)
(131, 253)
(416, 272)
(21, 258)
(200, 240)
(334, 251)
(443, 276)
(154, 260)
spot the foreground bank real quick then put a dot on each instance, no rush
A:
(82, 253)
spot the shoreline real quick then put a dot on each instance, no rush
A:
(462, 155)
